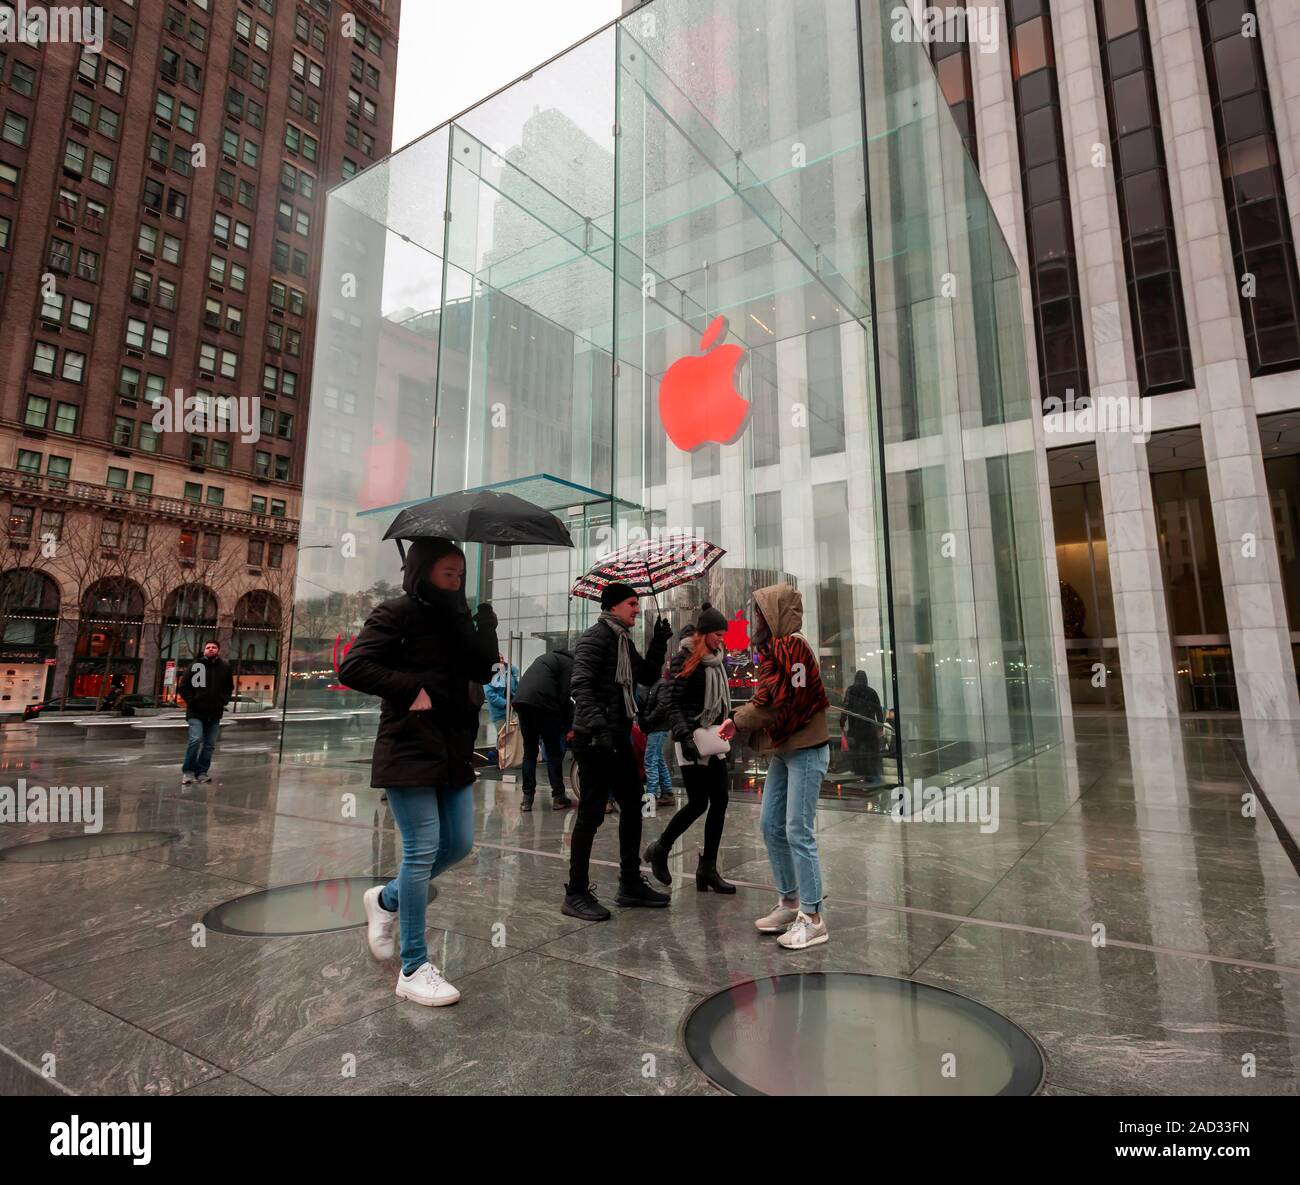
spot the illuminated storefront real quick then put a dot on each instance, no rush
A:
(726, 267)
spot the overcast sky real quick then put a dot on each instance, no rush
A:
(451, 53)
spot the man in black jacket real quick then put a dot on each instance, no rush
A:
(206, 687)
(545, 714)
(606, 667)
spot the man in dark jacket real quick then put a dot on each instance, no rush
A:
(206, 687)
(545, 714)
(428, 659)
(606, 667)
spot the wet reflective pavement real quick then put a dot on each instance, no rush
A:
(1133, 912)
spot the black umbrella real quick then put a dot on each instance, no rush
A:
(480, 516)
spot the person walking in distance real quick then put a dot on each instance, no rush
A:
(545, 712)
(207, 687)
(698, 697)
(787, 714)
(427, 658)
(606, 666)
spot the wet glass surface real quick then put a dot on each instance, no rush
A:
(837, 1033)
(87, 847)
(316, 907)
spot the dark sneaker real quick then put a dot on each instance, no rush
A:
(526, 805)
(584, 906)
(561, 803)
(639, 892)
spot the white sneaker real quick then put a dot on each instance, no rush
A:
(187, 779)
(426, 986)
(778, 920)
(381, 926)
(804, 933)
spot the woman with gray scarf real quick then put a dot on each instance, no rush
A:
(699, 698)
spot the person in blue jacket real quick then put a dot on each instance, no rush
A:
(495, 691)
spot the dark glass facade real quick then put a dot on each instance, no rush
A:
(952, 65)
(1058, 320)
(1262, 247)
(1155, 293)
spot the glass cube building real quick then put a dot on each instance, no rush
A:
(502, 300)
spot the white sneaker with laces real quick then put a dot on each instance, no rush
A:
(778, 920)
(381, 926)
(187, 779)
(803, 933)
(426, 986)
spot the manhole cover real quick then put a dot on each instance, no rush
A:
(315, 907)
(838, 1033)
(87, 847)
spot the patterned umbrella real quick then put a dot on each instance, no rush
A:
(652, 566)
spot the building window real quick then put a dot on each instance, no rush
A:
(1053, 272)
(1259, 224)
(38, 411)
(1155, 288)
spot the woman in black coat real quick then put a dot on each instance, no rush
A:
(860, 722)
(427, 658)
(698, 697)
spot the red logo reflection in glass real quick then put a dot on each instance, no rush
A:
(698, 400)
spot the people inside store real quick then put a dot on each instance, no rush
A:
(699, 715)
(495, 691)
(786, 719)
(606, 669)
(860, 724)
(427, 658)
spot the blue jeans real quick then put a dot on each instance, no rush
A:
(437, 830)
(658, 775)
(789, 812)
(202, 740)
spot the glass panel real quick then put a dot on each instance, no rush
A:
(637, 286)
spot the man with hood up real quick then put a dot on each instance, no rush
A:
(787, 720)
(427, 658)
(545, 714)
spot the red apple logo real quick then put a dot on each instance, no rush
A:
(737, 635)
(386, 465)
(698, 400)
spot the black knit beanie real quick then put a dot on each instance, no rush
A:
(710, 620)
(615, 593)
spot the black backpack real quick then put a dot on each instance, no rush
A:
(654, 715)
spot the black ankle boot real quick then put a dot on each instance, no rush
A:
(706, 877)
(656, 855)
(639, 892)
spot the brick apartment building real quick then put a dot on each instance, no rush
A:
(161, 216)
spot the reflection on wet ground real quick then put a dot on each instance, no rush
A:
(1133, 911)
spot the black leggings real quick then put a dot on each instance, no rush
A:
(706, 790)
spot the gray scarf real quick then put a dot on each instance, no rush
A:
(717, 695)
(623, 671)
